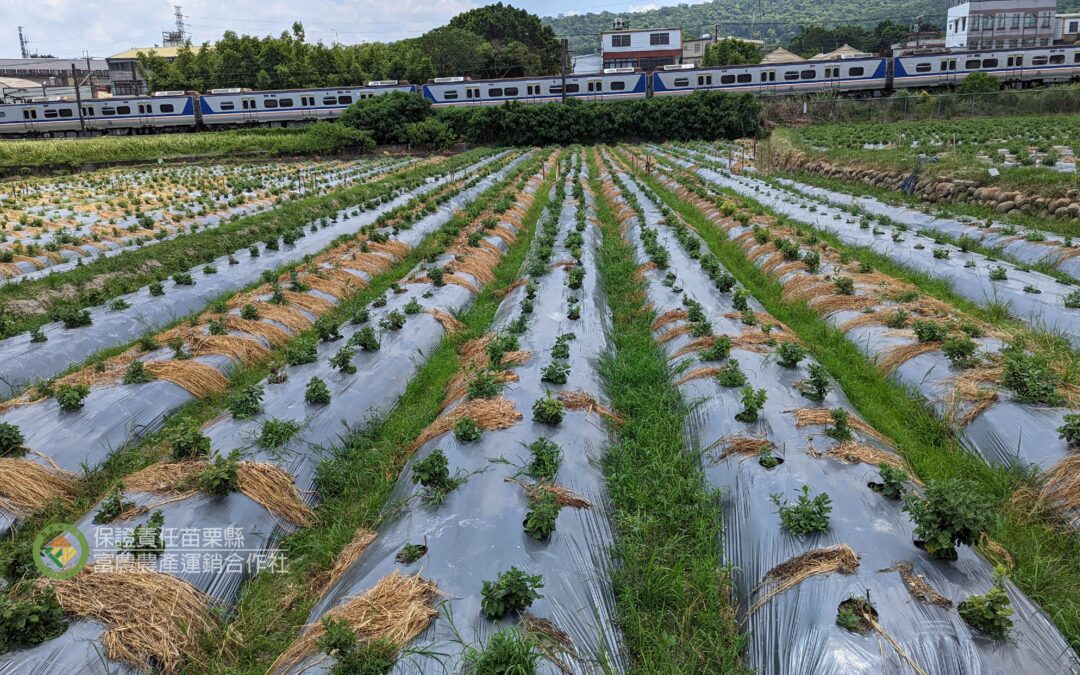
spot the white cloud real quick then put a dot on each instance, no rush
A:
(647, 7)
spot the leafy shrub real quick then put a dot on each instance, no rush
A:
(188, 441)
(555, 372)
(75, 318)
(146, 538)
(808, 515)
(897, 319)
(512, 590)
(70, 397)
(840, 429)
(1072, 300)
(739, 299)
(483, 385)
(892, 480)
(29, 616)
(752, 401)
(11, 440)
(929, 331)
(960, 351)
(467, 430)
(183, 279)
(543, 511)
(410, 553)
(350, 656)
(387, 118)
(951, 512)
(731, 375)
(998, 273)
(413, 306)
(547, 410)
(507, 651)
(342, 360)
(1069, 432)
(366, 339)
(137, 373)
(1030, 376)
(789, 354)
(328, 329)
(37, 336)
(112, 506)
(852, 613)
(546, 458)
(719, 350)
(221, 475)
(394, 320)
(561, 349)
(247, 402)
(300, 352)
(815, 387)
(362, 315)
(990, 612)
(845, 286)
(433, 471)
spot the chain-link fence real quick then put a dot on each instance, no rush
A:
(919, 105)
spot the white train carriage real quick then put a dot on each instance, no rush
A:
(842, 75)
(238, 107)
(134, 114)
(611, 85)
(1034, 65)
(45, 118)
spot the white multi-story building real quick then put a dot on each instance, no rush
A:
(1001, 24)
(647, 49)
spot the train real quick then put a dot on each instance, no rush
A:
(235, 108)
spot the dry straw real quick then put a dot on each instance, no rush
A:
(349, 555)
(459, 386)
(396, 609)
(805, 417)
(787, 575)
(579, 400)
(449, 321)
(668, 317)
(897, 356)
(563, 495)
(153, 621)
(745, 446)
(27, 487)
(488, 413)
(199, 379)
(239, 349)
(269, 332)
(917, 585)
(289, 318)
(551, 641)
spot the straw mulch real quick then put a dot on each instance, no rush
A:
(449, 321)
(239, 349)
(831, 304)
(805, 417)
(917, 585)
(1058, 492)
(290, 318)
(397, 609)
(673, 333)
(563, 495)
(551, 641)
(787, 575)
(697, 374)
(199, 379)
(639, 274)
(27, 487)
(458, 387)
(266, 484)
(518, 283)
(488, 413)
(667, 317)
(309, 303)
(269, 332)
(579, 400)
(349, 555)
(744, 446)
(897, 356)
(153, 621)
(463, 282)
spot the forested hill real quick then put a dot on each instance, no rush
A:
(780, 19)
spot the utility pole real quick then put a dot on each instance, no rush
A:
(78, 97)
(565, 56)
(90, 75)
(22, 44)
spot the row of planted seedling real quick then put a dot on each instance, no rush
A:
(540, 589)
(774, 431)
(1013, 403)
(253, 469)
(1046, 303)
(80, 332)
(41, 244)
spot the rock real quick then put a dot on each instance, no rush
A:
(1005, 207)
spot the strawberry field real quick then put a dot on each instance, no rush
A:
(530, 410)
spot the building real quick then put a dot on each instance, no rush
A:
(587, 64)
(781, 55)
(124, 69)
(1068, 28)
(641, 49)
(56, 72)
(1001, 24)
(846, 51)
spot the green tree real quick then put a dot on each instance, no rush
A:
(731, 51)
(387, 117)
(978, 83)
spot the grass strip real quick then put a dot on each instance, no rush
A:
(356, 480)
(126, 272)
(15, 551)
(671, 585)
(1046, 560)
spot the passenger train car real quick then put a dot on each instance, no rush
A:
(611, 85)
(218, 109)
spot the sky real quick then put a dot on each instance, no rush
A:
(69, 28)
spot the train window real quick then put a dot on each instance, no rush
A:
(285, 103)
(511, 91)
(1076, 57)
(743, 78)
(227, 105)
(67, 113)
(596, 86)
(270, 103)
(573, 88)
(307, 101)
(123, 110)
(108, 111)
(1057, 58)
(992, 63)
(50, 114)
(1038, 60)
(704, 80)
(344, 100)
(3, 114)
(857, 71)
(791, 75)
(450, 95)
(555, 89)
(727, 79)
(808, 74)
(620, 86)
(495, 91)
(922, 67)
(682, 82)
(329, 100)
(971, 64)
(29, 114)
